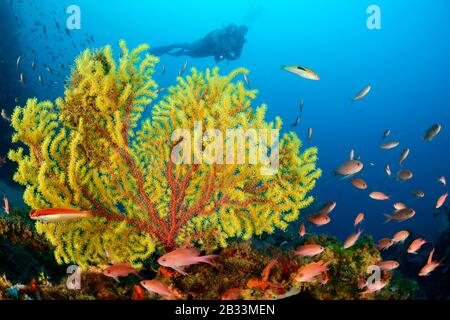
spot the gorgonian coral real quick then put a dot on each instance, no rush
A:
(91, 150)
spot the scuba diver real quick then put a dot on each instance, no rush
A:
(222, 44)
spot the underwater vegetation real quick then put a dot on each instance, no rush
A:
(243, 272)
(90, 150)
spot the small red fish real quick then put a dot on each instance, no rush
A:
(376, 195)
(59, 214)
(385, 243)
(351, 239)
(309, 250)
(388, 170)
(2, 161)
(319, 219)
(359, 218)
(120, 270)
(359, 183)
(328, 208)
(388, 265)
(302, 231)
(377, 286)
(309, 272)
(400, 236)
(6, 204)
(440, 202)
(183, 257)
(399, 206)
(389, 145)
(416, 245)
(430, 266)
(160, 288)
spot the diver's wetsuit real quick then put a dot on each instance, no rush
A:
(222, 44)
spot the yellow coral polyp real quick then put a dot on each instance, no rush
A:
(91, 151)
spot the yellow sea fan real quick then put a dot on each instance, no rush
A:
(91, 151)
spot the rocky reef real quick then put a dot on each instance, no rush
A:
(241, 272)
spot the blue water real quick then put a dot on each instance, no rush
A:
(406, 62)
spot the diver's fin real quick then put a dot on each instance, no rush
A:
(159, 51)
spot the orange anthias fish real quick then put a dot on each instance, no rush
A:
(309, 250)
(309, 272)
(416, 245)
(359, 183)
(440, 202)
(59, 214)
(266, 271)
(399, 206)
(388, 265)
(319, 219)
(400, 215)
(430, 266)
(351, 240)
(6, 204)
(389, 145)
(376, 195)
(400, 236)
(328, 207)
(160, 288)
(120, 270)
(404, 155)
(377, 286)
(349, 168)
(388, 170)
(404, 175)
(302, 230)
(183, 257)
(231, 294)
(385, 244)
(432, 132)
(359, 218)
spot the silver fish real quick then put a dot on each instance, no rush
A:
(5, 115)
(404, 155)
(22, 79)
(362, 93)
